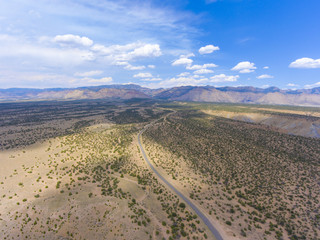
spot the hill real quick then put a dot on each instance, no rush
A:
(272, 95)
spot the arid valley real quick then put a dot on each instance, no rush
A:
(74, 170)
(159, 120)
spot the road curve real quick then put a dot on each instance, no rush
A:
(213, 230)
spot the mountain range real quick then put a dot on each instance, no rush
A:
(271, 95)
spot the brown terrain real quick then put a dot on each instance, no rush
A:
(272, 95)
(87, 182)
(73, 170)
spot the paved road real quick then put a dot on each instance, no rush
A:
(214, 231)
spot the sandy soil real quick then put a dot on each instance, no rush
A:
(47, 193)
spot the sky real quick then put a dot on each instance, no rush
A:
(160, 43)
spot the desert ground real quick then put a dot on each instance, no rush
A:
(73, 170)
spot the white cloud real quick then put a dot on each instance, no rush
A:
(312, 85)
(72, 39)
(151, 66)
(98, 21)
(184, 74)
(305, 63)
(121, 63)
(197, 67)
(152, 79)
(148, 50)
(88, 74)
(42, 53)
(143, 75)
(43, 80)
(185, 79)
(209, 65)
(197, 76)
(48, 55)
(203, 71)
(120, 55)
(130, 67)
(264, 76)
(124, 53)
(39, 79)
(189, 55)
(194, 67)
(208, 49)
(266, 67)
(114, 49)
(292, 85)
(224, 78)
(246, 71)
(101, 80)
(182, 81)
(244, 67)
(182, 61)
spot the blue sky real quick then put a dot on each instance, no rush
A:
(71, 43)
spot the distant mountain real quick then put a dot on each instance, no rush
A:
(272, 95)
(105, 92)
(249, 89)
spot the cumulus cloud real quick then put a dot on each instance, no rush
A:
(208, 49)
(264, 76)
(125, 53)
(224, 78)
(204, 66)
(121, 63)
(72, 39)
(184, 74)
(88, 74)
(120, 55)
(203, 71)
(52, 54)
(182, 61)
(266, 67)
(305, 63)
(113, 49)
(151, 66)
(148, 50)
(244, 67)
(187, 79)
(146, 21)
(317, 84)
(130, 67)
(143, 75)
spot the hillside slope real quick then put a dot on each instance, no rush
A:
(272, 95)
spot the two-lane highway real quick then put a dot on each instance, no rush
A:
(213, 230)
